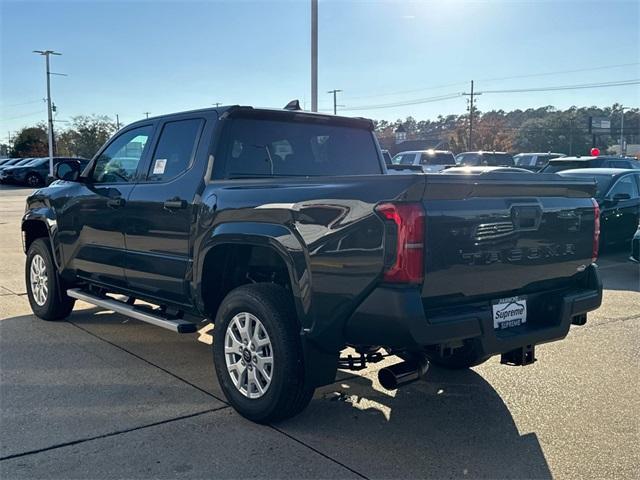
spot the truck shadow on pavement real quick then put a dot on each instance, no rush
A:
(452, 425)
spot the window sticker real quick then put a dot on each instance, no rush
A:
(159, 166)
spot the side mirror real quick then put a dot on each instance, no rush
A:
(68, 170)
(621, 196)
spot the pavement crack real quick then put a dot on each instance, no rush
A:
(111, 434)
(315, 450)
(168, 372)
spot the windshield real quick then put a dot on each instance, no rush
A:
(259, 148)
(603, 181)
(437, 158)
(404, 159)
(524, 160)
(559, 165)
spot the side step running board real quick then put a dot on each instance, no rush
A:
(175, 325)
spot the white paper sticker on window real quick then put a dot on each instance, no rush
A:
(159, 166)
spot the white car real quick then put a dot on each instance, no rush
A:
(431, 161)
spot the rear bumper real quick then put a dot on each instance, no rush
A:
(397, 318)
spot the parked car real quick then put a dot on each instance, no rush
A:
(603, 161)
(618, 195)
(535, 161)
(15, 162)
(635, 246)
(33, 173)
(5, 161)
(429, 160)
(490, 159)
(295, 245)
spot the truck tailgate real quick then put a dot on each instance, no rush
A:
(492, 234)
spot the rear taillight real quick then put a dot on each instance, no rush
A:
(404, 241)
(596, 230)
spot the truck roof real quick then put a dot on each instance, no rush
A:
(227, 110)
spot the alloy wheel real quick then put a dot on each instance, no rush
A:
(248, 355)
(39, 279)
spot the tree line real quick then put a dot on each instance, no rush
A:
(82, 138)
(544, 129)
(541, 129)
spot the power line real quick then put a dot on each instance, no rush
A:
(405, 103)
(418, 101)
(618, 83)
(23, 103)
(494, 79)
(22, 116)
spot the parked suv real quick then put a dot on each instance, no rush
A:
(281, 228)
(430, 160)
(489, 159)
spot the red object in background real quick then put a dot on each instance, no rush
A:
(595, 152)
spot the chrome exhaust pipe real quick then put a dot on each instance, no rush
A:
(403, 373)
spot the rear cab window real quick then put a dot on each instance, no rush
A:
(175, 150)
(293, 146)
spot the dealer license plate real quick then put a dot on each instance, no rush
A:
(509, 312)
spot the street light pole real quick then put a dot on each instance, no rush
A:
(46, 54)
(314, 55)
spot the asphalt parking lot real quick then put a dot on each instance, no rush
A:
(103, 396)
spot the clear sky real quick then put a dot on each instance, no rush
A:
(131, 57)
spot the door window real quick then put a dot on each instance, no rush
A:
(118, 163)
(626, 185)
(176, 149)
(619, 164)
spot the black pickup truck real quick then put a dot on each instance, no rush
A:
(283, 229)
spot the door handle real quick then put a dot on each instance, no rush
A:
(175, 204)
(115, 202)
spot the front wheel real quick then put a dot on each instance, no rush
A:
(47, 297)
(33, 180)
(258, 353)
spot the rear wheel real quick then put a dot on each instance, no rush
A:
(47, 297)
(258, 353)
(466, 356)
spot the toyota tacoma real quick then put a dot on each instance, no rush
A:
(282, 229)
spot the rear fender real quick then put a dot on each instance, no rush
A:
(321, 364)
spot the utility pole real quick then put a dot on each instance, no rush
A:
(335, 103)
(471, 109)
(217, 104)
(46, 54)
(622, 109)
(147, 114)
(117, 122)
(314, 55)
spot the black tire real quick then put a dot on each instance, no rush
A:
(466, 356)
(57, 305)
(286, 395)
(33, 180)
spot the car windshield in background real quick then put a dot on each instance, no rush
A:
(468, 159)
(438, 158)
(558, 166)
(404, 159)
(603, 181)
(524, 160)
(265, 148)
